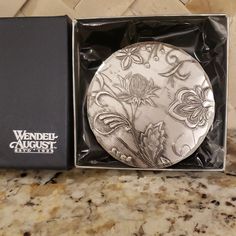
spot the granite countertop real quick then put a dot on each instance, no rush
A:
(109, 202)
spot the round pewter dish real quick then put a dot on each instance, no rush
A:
(150, 105)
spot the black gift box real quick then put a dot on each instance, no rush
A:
(36, 93)
(204, 37)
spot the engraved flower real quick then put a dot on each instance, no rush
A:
(129, 56)
(191, 106)
(136, 89)
(152, 142)
(138, 85)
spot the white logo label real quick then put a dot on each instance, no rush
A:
(27, 142)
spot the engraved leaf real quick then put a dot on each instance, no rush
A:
(100, 94)
(174, 72)
(152, 142)
(151, 102)
(137, 59)
(123, 86)
(100, 80)
(108, 122)
(165, 161)
(126, 63)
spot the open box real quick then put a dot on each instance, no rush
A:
(37, 120)
(204, 37)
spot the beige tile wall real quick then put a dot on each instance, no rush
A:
(86, 8)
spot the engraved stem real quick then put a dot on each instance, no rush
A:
(118, 100)
(134, 108)
(127, 146)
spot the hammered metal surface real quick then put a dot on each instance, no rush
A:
(150, 105)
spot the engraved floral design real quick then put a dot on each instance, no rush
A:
(121, 156)
(152, 143)
(174, 73)
(128, 56)
(191, 106)
(136, 89)
(121, 101)
(108, 122)
(152, 49)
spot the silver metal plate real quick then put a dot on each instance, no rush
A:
(150, 105)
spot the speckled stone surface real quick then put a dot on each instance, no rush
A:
(92, 202)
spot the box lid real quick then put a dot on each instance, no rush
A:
(35, 93)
